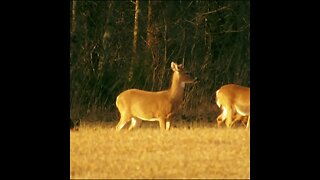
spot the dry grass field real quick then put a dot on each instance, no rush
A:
(186, 151)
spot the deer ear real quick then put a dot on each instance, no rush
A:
(180, 66)
(174, 66)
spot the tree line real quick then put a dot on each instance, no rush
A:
(117, 45)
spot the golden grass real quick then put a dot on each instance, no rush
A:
(98, 151)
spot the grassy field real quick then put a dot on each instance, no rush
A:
(186, 151)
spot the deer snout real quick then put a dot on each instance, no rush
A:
(190, 78)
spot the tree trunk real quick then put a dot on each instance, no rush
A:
(73, 25)
(149, 33)
(135, 35)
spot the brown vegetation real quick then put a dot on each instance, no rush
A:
(98, 151)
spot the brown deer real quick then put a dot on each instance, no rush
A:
(235, 103)
(136, 105)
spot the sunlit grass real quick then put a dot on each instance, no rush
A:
(98, 151)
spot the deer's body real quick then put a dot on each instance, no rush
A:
(136, 105)
(234, 101)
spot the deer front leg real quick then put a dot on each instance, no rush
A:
(168, 125)
(162, 123)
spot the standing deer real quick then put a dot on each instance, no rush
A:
(235, 102)
(136, 105)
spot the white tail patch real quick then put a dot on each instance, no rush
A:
(217, 100)
(218, 103)
(117, 101)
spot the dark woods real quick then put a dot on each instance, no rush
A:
(117, 45)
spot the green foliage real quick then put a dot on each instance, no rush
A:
(212, 38)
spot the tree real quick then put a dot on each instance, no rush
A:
(73, 25)
(135, 37)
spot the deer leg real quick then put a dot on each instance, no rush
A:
(139, 122)
(168, 125)
(237, 117)
(134, 123)
(229, 117)
(122, 122)
(219, 120)
(248, 123)
(162, 123)
(222, 117)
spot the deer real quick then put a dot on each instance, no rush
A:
(234, 100)
(137, 105)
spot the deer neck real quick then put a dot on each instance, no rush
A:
(177, 89)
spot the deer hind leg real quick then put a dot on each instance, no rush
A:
(222, 117)
(248, 123)
(219, 120)
(229, 113)
(134, 123)
(237, 117)
(125, 118)
(244, 120)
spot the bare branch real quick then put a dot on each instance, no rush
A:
(234, 31)
(220, 9)
(210, 12)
